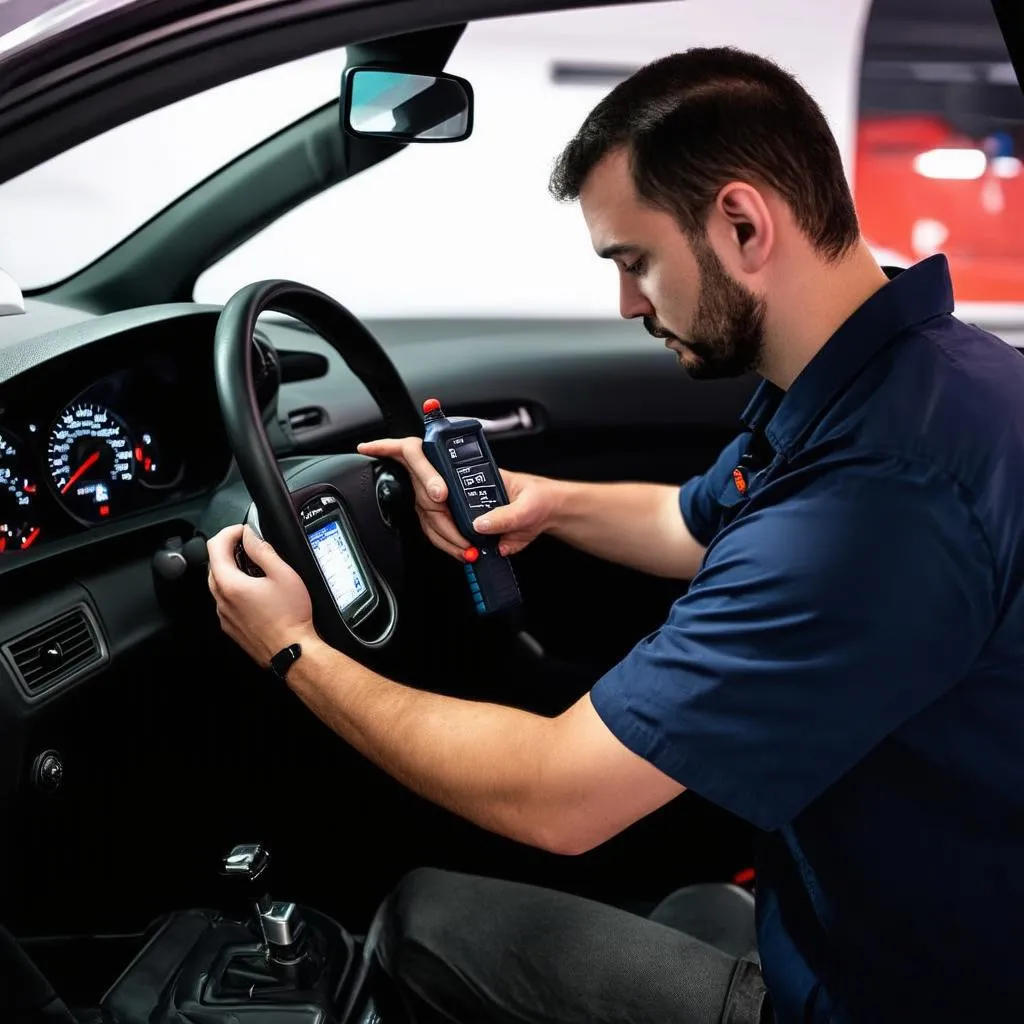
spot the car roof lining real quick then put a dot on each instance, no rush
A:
(53, 97)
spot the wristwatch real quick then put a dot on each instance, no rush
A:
(284, 659)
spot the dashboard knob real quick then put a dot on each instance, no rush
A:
(169, 565)
(48, 771)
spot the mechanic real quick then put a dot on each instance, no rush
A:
(846, 669)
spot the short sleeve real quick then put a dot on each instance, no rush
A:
(699, 496)
(816, 627)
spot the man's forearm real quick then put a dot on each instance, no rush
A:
(634, 524)
(485, 762)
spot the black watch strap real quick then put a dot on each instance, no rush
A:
(284, 659)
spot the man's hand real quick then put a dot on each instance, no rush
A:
(262, 615)
(532, 501)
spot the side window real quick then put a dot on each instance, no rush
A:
(468, 230)
(940, 138)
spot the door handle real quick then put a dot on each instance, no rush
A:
(518, 419)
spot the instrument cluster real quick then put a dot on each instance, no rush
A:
(129, 442)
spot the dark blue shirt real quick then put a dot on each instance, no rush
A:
(846, 671)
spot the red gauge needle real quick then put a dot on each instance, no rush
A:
(83, 468)
(29, 539)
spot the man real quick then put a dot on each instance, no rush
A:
(846, 670)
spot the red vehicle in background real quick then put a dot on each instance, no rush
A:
(923, 188)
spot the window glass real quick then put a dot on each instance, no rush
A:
(468, 229)
(60, 216)
(940, 137)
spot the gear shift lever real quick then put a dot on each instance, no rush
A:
(281, 925)
(284, 932)
(247, 863)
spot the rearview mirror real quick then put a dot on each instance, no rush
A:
(380, 103)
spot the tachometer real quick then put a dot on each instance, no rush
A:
(90, 458)
(17, 533)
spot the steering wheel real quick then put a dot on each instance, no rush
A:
(334, 499)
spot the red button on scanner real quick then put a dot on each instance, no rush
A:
(471, 554)
(431, 405)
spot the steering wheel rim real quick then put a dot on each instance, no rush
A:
(243, 422)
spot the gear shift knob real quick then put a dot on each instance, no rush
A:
(246, 862)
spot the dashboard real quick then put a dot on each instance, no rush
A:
(122, 427)
(111, 423)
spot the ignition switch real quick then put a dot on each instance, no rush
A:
(48, 771)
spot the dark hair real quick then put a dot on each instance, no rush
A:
(694, 121)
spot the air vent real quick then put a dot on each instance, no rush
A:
(57, 652)
(306, 419)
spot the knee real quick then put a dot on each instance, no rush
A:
(414, 919)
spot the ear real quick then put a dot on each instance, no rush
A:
(745, 225)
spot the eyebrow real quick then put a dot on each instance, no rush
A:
(619, 249)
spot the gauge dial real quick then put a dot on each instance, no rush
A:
(17, 531)
(17, 536)
(90, 458)
(155, 465)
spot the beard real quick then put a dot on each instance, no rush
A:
(726, 337)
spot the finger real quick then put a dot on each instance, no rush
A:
(423, 473)
(443, 544)
(220, 550)
(410, 451)
(384, 448)
(263, 553)
(503, 519)
(443, 523)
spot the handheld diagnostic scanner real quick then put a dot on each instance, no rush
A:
(458, 450)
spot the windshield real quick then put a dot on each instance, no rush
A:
(65, 213)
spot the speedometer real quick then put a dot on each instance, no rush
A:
(90, 459)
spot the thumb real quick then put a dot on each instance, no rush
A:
(499, 520)
(262, 553)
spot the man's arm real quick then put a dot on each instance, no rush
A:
(564, 784)
(634, 524)
(656, 528)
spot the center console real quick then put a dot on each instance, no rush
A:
(270, 962)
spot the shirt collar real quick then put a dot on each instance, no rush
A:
(910, 297)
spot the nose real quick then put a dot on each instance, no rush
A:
(632, 302)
